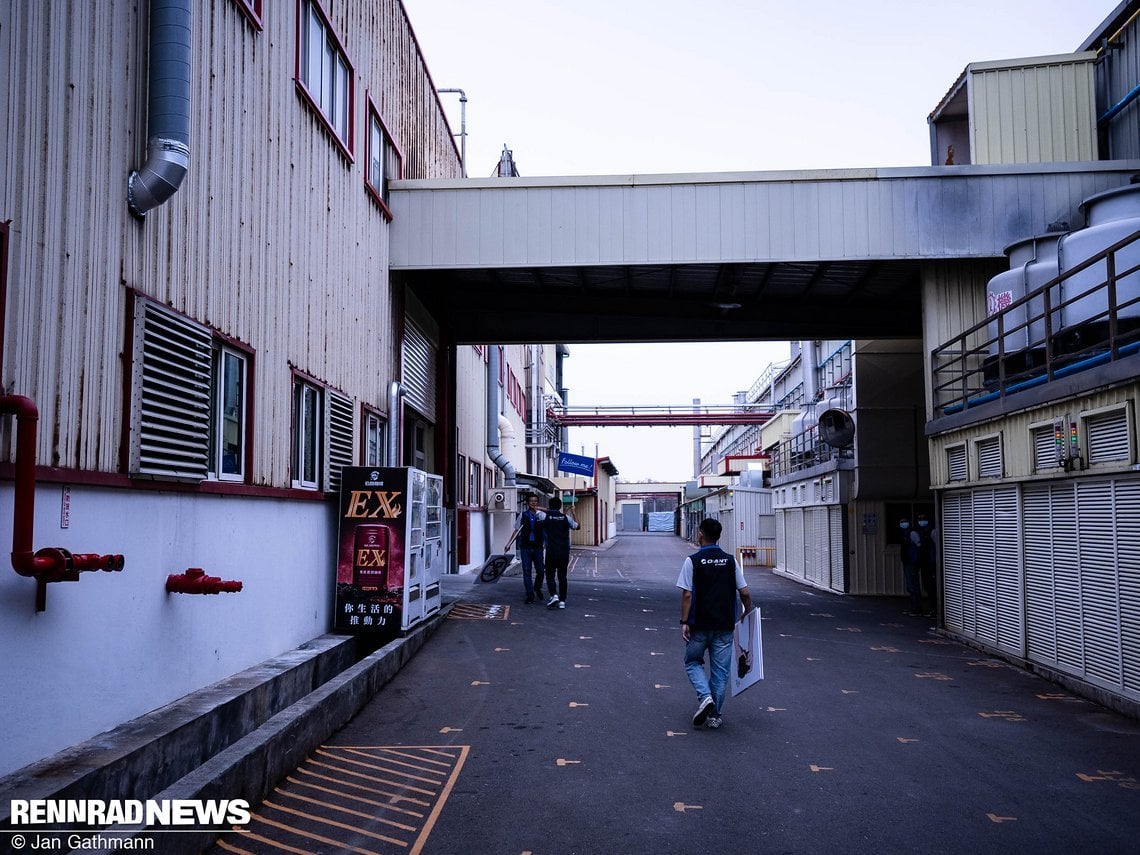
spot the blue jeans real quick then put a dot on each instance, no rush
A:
(719, 645)
(913, 587)
(532, 563)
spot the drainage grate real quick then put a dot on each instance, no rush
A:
(376, 798)
(479, 611)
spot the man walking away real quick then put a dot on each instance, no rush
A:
(530, 534)
(557, 527)
(710, 581)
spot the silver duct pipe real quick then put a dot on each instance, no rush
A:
(168, 108)
(493, 451)
(809, 359)
(395, 393)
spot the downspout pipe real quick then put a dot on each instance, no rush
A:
(494, 452)
(168, 108)
(395, 393)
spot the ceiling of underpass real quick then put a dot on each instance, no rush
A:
(689, 302)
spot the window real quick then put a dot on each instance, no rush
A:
(324, 73)
(989, 457)
(322, 435)
(383, 161)
(956, 463)
(1048, 446)
(252, 9)
(474, 480)
(227, 434)
(1108, 437)
(461, 481)
(373, 438)
(306, 435)
(189, 399)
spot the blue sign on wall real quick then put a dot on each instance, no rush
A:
(575, 463)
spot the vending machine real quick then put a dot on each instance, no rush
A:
(392, 553)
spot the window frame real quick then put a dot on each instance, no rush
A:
(224, 347)
(315, 445)
(306, 9)
(955, 449)
(1121, 411)
(253, 11)
(379, 193)
(368, 416)
(981, 446)
(461, 485)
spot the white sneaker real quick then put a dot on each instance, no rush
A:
(561, 604)
(704, 710)
(552, 602)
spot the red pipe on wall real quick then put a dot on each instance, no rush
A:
(195, 581)
(24, 560)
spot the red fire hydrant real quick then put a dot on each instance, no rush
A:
(195, 581)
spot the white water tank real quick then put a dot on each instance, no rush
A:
(1032, 263)
(1111, 216)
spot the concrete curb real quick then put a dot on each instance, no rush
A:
(249, 768)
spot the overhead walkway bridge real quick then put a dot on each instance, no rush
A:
(728, 256)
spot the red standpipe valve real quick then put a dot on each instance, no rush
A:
(195, 581)
(65, 566)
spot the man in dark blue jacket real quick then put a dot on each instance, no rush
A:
(710, 581)
(557, 527)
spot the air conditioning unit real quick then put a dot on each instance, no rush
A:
(503, 499)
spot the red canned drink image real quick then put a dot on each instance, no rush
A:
(370, 558)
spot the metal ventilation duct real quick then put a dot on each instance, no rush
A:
(168, 108)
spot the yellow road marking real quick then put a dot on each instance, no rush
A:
(312, 836)
(675, 733)
(659, 686)
(581, 666)
(386, 805)
(395, 797)
(904, 740)
(575, 705)
(479, 683)
(999, 819)
(330, 806)
(561, 762)
(451, 730)
(815, 768)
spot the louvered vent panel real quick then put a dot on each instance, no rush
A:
(1007, 570)
(1045, 454)
(989, 458)
(956, 463)
(339, 420)
(170, 401)
(1063, 553)
(419, 370)
(1040, 600)
(953, 552)
(984, 614)
(1099, 601)
(1108, 438)
(1128, 561)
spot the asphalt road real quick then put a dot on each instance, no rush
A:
(524, 729)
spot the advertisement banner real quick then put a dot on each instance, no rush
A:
(370, 564)
(575, 464)
(748, 653)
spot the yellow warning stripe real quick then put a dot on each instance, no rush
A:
(395, 797)
(344, 795)
(323, 821)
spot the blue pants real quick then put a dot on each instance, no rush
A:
(532, 563)
(719, 646)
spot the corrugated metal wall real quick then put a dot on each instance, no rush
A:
(1119, 72)
(1037, 112)
(271, 240)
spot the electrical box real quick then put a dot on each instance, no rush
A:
(504, 499)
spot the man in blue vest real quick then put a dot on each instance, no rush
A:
(530, 541)
(710, 581)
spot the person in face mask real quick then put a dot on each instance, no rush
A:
(927, 561)
(909, 553)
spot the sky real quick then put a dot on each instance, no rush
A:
(620, 87)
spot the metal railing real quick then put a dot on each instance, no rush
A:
(975, 368)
